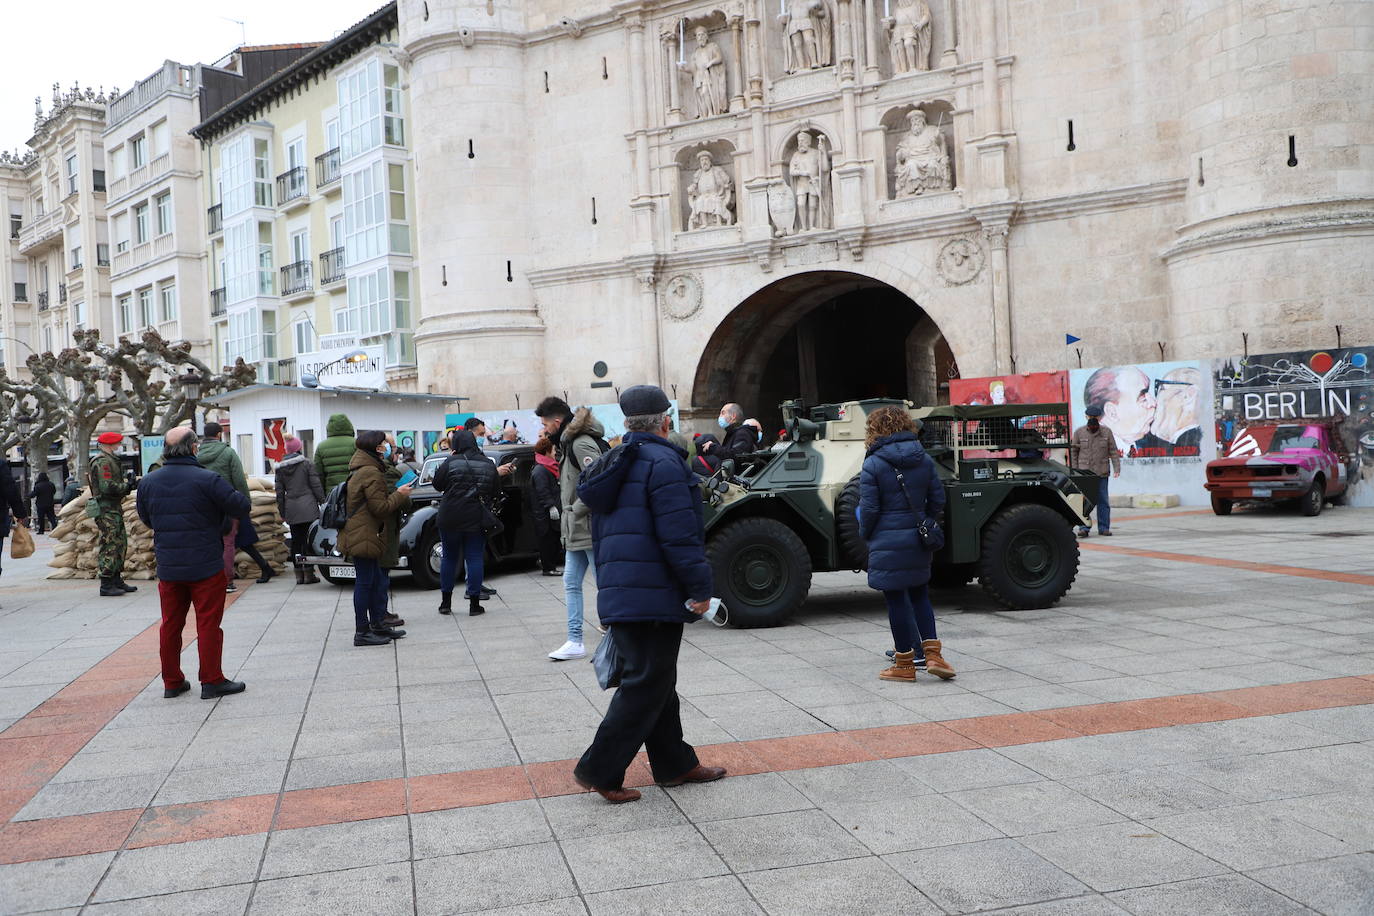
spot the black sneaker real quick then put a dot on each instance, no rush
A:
(222, 689)
(488, 593)
(176, 691)
(389, 632)
(370, 639)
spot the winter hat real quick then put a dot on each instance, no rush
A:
(293, 445)
(109, 438)
(643, 400)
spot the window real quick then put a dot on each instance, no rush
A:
(242, 337)
(360, 111)
(97, 179)
(295, 154)
(367, 301)
(121, 233)
(396, 185)
(76, 258)
(138, 152)
(240, 254)
(126, 314)
(364, 213)
(394, 132)
(145, 308)
(116, 162)
(305, 336)
(300, 246)
(16, 225)
(331, 134)
(158, 135)
(47, 339)
(236, 175)
(78, 314)
(167, 296)
(269, 334)
(140, 224)
(102, 254)
(262, 173)
(72, 176)
(336, 232)
(163, 204)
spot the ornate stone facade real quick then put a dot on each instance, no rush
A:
(1060, 179)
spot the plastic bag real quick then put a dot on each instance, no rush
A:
(606, 661)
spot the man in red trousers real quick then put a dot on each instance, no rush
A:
(189, 508)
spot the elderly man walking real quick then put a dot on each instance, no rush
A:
(652, 577)
(187, 507)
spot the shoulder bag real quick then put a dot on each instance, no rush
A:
(927, 529)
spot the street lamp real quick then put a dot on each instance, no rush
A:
(312, 379)
(24, 423)
(190, 390)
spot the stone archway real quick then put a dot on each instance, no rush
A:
(822, 336)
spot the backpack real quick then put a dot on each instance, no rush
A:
(335, 513)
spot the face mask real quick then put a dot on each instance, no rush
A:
(1093, 423)
(722, 423)
(386, 450)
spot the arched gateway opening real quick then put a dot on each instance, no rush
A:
(823, 336)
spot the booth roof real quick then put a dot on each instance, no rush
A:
(334, 392)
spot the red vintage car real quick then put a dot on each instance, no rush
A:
(1304, 461)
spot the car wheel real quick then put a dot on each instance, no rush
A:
(1030, 557)
(1311, 502)
(1221, 505)
(762, 571)
(425, 561)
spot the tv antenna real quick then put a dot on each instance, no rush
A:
(243, 29)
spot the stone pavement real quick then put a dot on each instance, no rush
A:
(1190, 731)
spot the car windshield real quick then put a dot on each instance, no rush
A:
(430, 466)
(1290, 439)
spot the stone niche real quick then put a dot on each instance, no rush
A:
(722, 153)
(785, 209)
(680, 46)
(896, 126)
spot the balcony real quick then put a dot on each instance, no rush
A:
(42, 300)
(61, 294)
(217, 307)
(332, 267)
(293, 188)
(296, 282)
(215, 220)
(43, 233)
(327, 170)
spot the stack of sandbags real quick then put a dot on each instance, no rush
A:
(271, 531)
(78, 550)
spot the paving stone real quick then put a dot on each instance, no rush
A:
(427, 760)
(462, 830)
(854, 783)
(1338, 887)
(182, 866)
(1153, 792)
(214, 901)
(588, 814)
(976, 769)
(341, 769)
(722, 896)
(915, 823)
(1036, 807)
(1091, 905)
(51, 884)
(984, 876)
(854, 886)
(336, 847)
(229, 781)
(641, 857)
(1120, 856)
(564, 906)
(1347, 816)
(379, 890)
(1225, 895)
(59, 799)
(494, 878)
(1249, 836)
(738, 796)
(780, 840)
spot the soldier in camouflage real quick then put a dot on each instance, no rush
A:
(108, 490)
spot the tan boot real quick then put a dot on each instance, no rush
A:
(935, 662)
(903, 668)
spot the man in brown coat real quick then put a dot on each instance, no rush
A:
(1093, 448)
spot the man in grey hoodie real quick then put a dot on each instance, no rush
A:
(214, 455)
(580, 440)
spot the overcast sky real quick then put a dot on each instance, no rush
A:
(101, 43)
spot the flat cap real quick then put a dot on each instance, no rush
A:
(1093, 411)
(109, 438)
(642, 400)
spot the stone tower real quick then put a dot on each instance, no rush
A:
(479, 333)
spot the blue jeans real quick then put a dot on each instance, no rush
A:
(911, 617)
(1104, 507)
(470, 547)
(575, 566)
(370, 591)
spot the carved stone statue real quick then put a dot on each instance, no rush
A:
(711, 195)
(809, 169)
(909, 36)
(808, 35)
(707, 67)
(922, 162)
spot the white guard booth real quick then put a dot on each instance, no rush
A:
(261, 416)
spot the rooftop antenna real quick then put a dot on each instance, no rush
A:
(243, 29)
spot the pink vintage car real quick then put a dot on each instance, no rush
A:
(1304, 461)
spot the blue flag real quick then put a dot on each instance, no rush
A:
(1070, 339)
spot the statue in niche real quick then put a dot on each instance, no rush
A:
(909, 36)
(809, 169)
(707, 67)
(808, 35)
(711, 195)
(922, 163)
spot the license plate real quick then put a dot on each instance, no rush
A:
(343, 572)
(1261, 492)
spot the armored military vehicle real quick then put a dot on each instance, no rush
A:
(775, 517)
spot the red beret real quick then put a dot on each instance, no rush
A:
(109, 438)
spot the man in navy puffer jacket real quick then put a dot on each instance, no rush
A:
(650, 554)
(187, 507)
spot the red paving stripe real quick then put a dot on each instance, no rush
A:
(1301, 572)
(25, 841)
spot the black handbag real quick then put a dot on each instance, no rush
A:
(927, 529)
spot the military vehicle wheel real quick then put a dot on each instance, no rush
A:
(847, 520)
(1311, 501)
(1030, 557)
(762, 571)
(1222, 505)
(955, 576)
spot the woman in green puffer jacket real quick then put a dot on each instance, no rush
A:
(333, 454)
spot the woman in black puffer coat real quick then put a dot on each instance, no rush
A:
(470, 485)
(898, 563)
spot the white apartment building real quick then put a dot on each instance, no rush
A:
(16, 300)
(63, 236)
(154, 206)
(311, 225)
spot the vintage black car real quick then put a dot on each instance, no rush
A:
(421, 551)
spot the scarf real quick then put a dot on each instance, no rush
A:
(549, 462)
